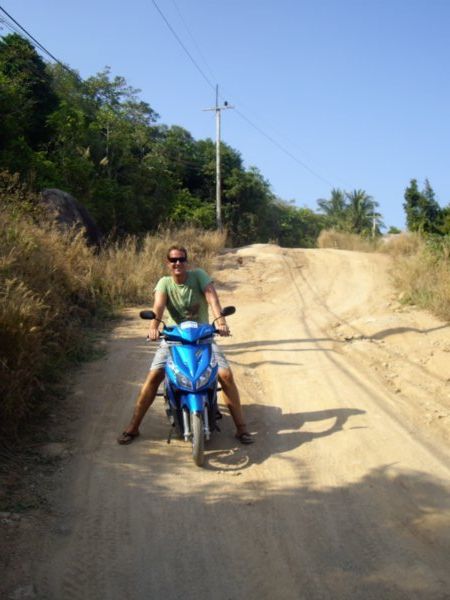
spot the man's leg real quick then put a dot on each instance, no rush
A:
(233, 402)
(143, 403)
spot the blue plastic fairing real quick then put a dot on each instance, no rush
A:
(194, 402)
(189, 332)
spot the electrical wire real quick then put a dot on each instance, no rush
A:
(10, 26)
(261, 131)
(197, 66)
(183, 20)
(192, 59)
(36, 42)
(282, 148)
(279, 134)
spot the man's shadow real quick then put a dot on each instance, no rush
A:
(274, 433)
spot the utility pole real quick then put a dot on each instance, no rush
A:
(218, 110)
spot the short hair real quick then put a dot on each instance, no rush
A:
(179, 248)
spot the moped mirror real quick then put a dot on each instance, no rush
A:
(147, 314)
(227, 311)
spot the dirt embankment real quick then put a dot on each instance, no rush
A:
(343, 495)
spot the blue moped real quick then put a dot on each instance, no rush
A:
(190, 385)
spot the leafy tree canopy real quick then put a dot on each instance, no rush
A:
(353, 212)
(97, 140)
(423, 213)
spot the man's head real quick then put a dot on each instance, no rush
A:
(179, 249)
(177, 260)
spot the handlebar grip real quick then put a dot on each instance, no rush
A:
(149, 339)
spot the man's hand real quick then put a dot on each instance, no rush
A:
(223, 330)
(153, 334)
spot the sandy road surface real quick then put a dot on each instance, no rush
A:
(343, 495)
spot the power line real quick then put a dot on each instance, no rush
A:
(191, 58)
(183, 20)
(38, 44)
(283, 149)
(263, 133)
(10, 26)
(174, 33)
(289, 141)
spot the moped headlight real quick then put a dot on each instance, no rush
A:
(184, 381)
(181, 379)
(204, 378)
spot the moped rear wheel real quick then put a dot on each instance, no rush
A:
(198, 439)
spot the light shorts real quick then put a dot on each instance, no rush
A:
(162, 354)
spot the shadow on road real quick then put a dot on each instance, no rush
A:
(384, 535)
(275, 432)
(399, 330)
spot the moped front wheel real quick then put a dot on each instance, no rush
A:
(198, 439)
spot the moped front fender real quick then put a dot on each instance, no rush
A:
(194, 402)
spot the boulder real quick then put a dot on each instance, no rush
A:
(68, 213)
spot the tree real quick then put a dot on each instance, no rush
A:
(354, 212)
(97, 140)
(247, 196)
(294, 227)
(27, 100)
(361, 215)
(445, 221)
(334, 209)
(423, 213)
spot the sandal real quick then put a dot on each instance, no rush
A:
(126, 438)
(245, 437)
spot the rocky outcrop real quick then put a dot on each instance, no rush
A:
(68, 213)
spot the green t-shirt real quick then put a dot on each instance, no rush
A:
(186, 301)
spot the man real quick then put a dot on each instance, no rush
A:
(186, 294)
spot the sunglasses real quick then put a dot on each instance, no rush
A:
(180, 259)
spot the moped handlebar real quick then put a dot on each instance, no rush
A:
(150, 315)
(163, 336)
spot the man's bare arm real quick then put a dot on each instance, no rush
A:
(213, 300)
(159, 305)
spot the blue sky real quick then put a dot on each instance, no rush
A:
(355, 92)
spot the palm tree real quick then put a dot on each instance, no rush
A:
(334, 208)
(361, 214)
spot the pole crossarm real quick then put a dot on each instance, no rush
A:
(223, 107)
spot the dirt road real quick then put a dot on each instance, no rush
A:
(343, 495)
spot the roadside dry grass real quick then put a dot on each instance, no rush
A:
(45, 297)
(421, 271)
(54, 288)
(330, 238)
(126, 271)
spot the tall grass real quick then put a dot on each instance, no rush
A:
(53, 286)
(127, 271)
(421, 271)
(46, 297)
(331, 238)
(402, 244)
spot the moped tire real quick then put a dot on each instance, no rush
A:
(198, 439)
